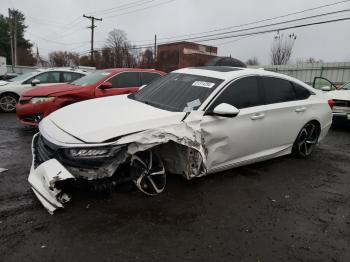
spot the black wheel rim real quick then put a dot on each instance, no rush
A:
(8, 103)
(308, 138)
(148, 173)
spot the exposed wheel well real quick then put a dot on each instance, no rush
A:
(9, 93)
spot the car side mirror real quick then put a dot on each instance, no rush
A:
(105, 85)
(224, 110)
(326, 88)
(35, 82)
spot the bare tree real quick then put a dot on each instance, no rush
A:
(252, 61)
(119, 47)
(63, 58)
(147, 59)
(282, 48)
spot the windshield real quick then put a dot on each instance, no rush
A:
(23, 76)
(177, 92)
(346, 86)
(91, 79)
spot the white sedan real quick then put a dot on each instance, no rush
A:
(191, 122)
(11, 90)
(340, 97)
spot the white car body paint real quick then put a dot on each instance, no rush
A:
(255, 134)
(339, 110)
(19, 87)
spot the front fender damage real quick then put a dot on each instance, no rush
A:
(180, 147)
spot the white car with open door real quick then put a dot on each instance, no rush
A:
(11, 90)
(339, 95)
(192, 122)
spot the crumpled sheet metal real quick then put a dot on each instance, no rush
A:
(43, 181)
(186, 133)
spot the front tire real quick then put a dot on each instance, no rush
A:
(306, 140)
(148, 172)
(8, 103)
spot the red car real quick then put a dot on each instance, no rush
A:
(39, 102)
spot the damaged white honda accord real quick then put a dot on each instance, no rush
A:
(192, 122)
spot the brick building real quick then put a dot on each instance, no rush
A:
(183, 54)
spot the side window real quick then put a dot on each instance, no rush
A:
(242, 93)
(278, 90)
(70, 77)
(148, 77)
(124, 80)
(301, 92)
(46, 77)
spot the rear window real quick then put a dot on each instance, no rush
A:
(278, 90)
(148, 77)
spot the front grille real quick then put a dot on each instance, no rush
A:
(23, 102)
(43, 150)
(33, 118)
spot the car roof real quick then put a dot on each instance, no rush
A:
(63, 69)
(228, 73)
(118, 70)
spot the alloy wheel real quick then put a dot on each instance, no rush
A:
(8, 103)
(148, 172)
(307, 139)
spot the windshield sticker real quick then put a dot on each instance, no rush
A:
(191, 105)
(194, 103)
(203, 84)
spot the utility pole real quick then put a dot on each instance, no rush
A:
(15, 37)
(155, 48)
(11, 39)
(92, 27)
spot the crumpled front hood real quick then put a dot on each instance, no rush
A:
(98, 120)
(49, 90)
(339, 94)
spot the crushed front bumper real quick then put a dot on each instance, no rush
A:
(44, 179)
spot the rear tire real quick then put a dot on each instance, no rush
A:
(306, 140)
(8, 103)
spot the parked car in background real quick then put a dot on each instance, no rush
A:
(37, 103)
(339, 95)
(191, 122)
(11, 90)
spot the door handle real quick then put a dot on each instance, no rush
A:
(300, 109)
(257, 116)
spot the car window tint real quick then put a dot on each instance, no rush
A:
(123, 80)
(70, 76)
(278, 90)
(148, 77)
(301, 92)
(47, 77)
(242, 93)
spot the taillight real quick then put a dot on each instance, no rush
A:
(331, 103)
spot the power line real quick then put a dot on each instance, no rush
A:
(273, 24)
(254, 22)
(119, 7)
(92, 27)
(141, 9)
(246, 34)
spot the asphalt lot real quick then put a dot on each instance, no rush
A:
(285, 209)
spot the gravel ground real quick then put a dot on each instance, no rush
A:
(284, 209)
